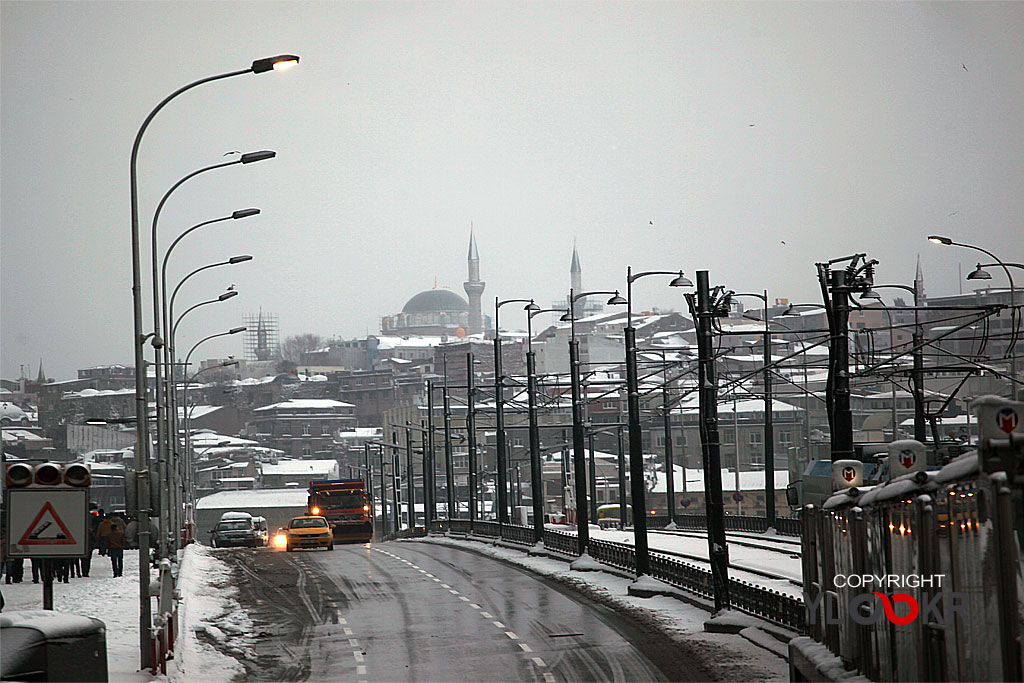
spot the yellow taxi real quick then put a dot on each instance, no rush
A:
(308, 532)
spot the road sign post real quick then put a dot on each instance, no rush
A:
(47, 523)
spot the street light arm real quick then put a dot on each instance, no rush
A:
(636, 276)
(233, 330)
(174, 330)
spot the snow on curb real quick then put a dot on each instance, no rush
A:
(212, 623)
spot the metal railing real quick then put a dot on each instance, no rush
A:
(767, 604)
(785, 526)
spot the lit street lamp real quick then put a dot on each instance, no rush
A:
(138, 340)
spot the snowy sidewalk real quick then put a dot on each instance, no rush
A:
(114, 601)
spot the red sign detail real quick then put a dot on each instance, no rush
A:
(849, 473)
(907, 458)
(1007, 419)
(31, 537)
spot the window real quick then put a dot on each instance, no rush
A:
(325, 430)
(518, 441)
(305, 430)
(786, 438)
(755, 438)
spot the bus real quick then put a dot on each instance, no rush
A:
(608, 516)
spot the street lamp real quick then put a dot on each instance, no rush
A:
(536, 473)
(171, 326)
(162, 390)
(188, 357)
(141, 432)
(172, 407)
(939, 239)
(499, 409)
(916, 344)
(578, 446)
(769, 427)
(189, 498)
(162, 393)
(635, 439)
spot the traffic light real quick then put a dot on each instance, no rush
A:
(47, 475)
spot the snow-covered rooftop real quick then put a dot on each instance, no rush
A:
(256, 498)
(305, 404)
(299, 467)
(749, 481)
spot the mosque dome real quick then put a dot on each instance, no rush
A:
(436, 300)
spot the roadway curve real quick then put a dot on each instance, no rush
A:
(424, 612)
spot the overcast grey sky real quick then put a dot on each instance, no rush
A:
(748, 139)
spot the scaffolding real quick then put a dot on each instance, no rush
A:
(262, 337)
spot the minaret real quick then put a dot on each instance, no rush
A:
(576, 281)
(474, 287)
(919, 284)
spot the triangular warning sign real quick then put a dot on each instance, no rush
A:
(43, 532)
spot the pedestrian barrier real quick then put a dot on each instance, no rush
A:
(767, 604)
(952, 532)
(165, 622)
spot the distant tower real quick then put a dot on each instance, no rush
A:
(576, 280)
(262, 339)
(474, 287)
(919, 284)
(41, 379)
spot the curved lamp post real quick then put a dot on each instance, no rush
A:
(635, 440)
(536, 473)
(916, 342)
(499, 410)
(1014, 315)
(141, 431)
(188, 441)
(172, 407)
(578, 447)
(162, 391)
(187, 481)
(769, 427)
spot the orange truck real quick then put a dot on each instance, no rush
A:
(343, 502)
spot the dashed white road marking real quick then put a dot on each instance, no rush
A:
(511, 635)
(436, 579)
(525, 647)
(498, 624)
(453, 591)
(539, 662)
(361, 670)
(353, 642)
(474, 605)
(348, 631)
(445, 585)
(464, 598)
(549, 677)
(359, 656)
(342, 620)
(487, 615)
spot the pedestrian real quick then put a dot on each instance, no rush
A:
(37, 569)
(102, 529)
(15, 570)
(115, 546)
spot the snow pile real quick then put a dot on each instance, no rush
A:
(214, 628)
